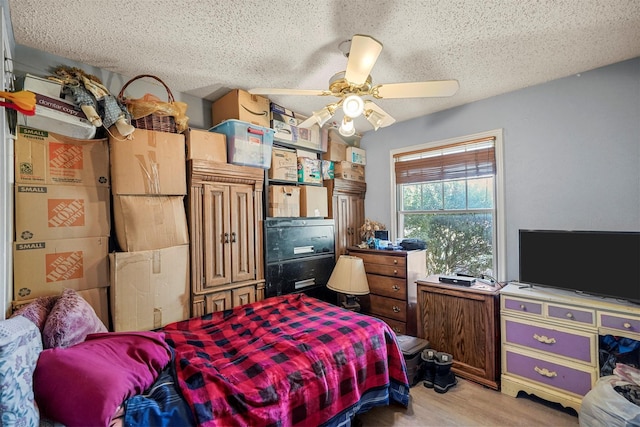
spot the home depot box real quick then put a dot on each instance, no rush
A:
(149, 289)
(356, 155)
(149, 222)
(43, 157)
(309, 170)
(350, 171)
(96, 297)
(284, 165)
(241, 105)
(284, 201)
(44, 212)
(205, 145)
(46, 267)
(313, 201)
(152, 162)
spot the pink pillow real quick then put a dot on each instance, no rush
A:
(71, 319)
(83, 385)
(37, 310)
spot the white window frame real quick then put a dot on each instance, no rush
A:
(500, 237)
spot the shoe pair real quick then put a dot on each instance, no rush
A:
(437, 370)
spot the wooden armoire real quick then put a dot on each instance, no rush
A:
(346, 207)
(225, 215)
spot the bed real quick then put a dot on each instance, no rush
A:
(286, 361)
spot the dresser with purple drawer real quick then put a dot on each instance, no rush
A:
(550, 340)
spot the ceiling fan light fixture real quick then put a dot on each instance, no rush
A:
(353, 106)
(347, 128)
(376, 119)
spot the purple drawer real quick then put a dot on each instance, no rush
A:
(523, 306)
(561, 377)
(571, 314)
(557, 342)
(620, 323)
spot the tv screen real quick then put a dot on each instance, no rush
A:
(599, 263)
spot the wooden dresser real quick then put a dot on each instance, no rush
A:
(464, 322)
(392, 277)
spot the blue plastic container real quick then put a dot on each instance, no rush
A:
(247, 144)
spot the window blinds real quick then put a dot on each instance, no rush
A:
(466, 159)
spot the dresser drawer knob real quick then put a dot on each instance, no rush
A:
(396, 329)
(544, 339)
(396, 309)
(395, 288)
(395, 261)
(627, 325)
(395, 272)
(569, 315)
(545, 372)
(523, 307)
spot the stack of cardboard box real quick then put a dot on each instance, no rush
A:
(348, 160)
(62, 217)
(150, 274)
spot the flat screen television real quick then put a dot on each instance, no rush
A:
(601, 263)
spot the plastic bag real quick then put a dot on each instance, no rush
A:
(151, 104)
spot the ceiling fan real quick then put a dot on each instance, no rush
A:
(354, 87)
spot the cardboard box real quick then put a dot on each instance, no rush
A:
(46, 267)
(47, 87)
(44, 158)
(349, 171)
(44, 212)
(356, 155)
(241, 105)
(284, 201)
(97, 298)
(336, 151)
(59, 122)
(205, 145)
(284, 165)
(313, 201)
(145, 223)
(309, 170)
(151, 163)
(149, 289)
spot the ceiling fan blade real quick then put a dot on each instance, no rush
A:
(276, 91)
(377, 116)
(308, 122)
(434, 88)
(363, 54)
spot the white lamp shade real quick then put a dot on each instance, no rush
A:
(348, 276)
(353, 106)
(347, 128)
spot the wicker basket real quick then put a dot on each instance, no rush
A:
(162, 123)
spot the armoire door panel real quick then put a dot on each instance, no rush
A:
(242, 233)
(216, 219)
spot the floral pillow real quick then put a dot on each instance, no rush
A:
(20, 346)
(71, 319)
(38, 310)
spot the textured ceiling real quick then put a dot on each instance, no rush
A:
(204, 48)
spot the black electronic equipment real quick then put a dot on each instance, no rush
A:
(413, 244)
(381, 234)
(604, 263)
(457, 280)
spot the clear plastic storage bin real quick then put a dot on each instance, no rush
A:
(247, 144)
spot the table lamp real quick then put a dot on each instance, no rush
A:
(349, 278)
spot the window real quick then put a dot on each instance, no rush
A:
(447, 194)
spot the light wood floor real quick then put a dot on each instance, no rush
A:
(470, 404)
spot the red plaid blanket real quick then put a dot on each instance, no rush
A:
(289, 360)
